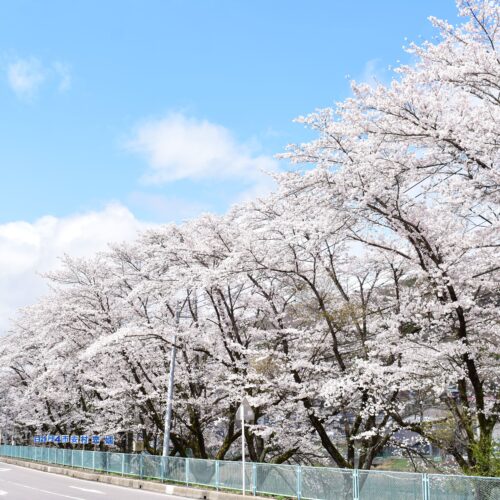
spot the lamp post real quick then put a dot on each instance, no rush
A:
(243, 413)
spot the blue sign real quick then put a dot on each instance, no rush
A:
(85, 439)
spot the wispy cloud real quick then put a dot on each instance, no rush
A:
(374, 73)
(26, 76)
(63, 72)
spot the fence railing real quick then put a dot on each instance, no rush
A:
(301, 482)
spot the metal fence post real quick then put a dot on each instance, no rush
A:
(93, 460)
(187, 471)
(425, 487)
(355, 484)
(123, 464)
(299, 482)
(254, 478)
(217, 475)
(141, 465)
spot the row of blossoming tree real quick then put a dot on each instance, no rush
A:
(357, 301)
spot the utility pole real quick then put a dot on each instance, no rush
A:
(170, 393)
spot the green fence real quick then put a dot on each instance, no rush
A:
(308, 483)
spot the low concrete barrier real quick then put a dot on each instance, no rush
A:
(168, 489)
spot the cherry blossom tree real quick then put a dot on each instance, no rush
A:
(414, 165)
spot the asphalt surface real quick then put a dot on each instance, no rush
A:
(21, 483)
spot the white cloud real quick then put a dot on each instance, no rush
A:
(25, 76)
(27, 249)
(177, 147)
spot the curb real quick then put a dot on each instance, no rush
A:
(168, 489)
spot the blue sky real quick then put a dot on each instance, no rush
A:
(117, 114)
(249, 66)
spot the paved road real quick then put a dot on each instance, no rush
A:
(21, 483)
